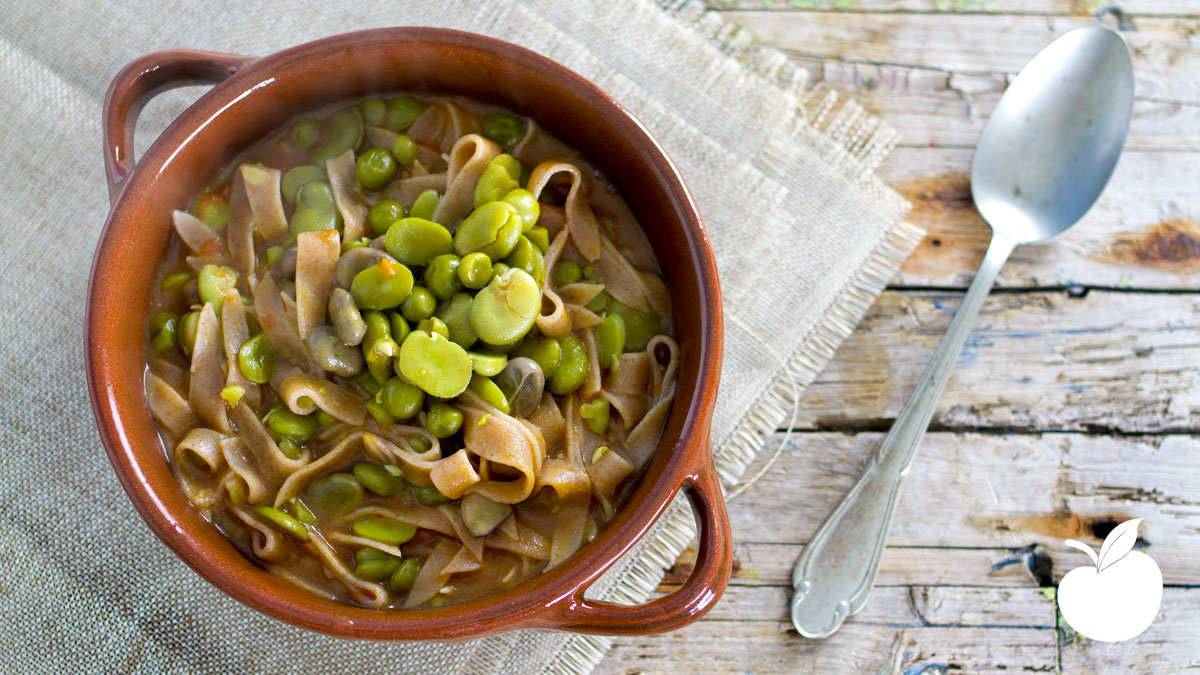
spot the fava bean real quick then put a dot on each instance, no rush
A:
(611, 338)
(385, 530)
(323, 419)
(344, 131)
(373, 110)
(475, 270)
(232, 394)
(498, 269)
(401, 399)
(504, 129)
(498, 179)
(283, 521)
(598, 303)
(332, 354)
(256, 359)
(378, 346)
(455, 314)
(488, 365)
(383, 285)
(289, 448)
(315, 209)
(376, 570)
(185, 331)
(346, 318)
(416, 241)
(375, 168)
(487, 390)
(492, 229)
(435, 364)
(376, 479)
(173, 281)
(400, 327)
(434, 326)
(213, 282)
(405, 150)
(288, 424)
(419, 306)
(304, 132)
(506, 308)
(380, 414)
(441, 275)
(162, 331)
(212, 208)
(443, 420)
(596, 415)
(296, 178)
(302, 513)
(383, 215)
(405, 575)
(572, 369)
(567, 272)
(425, 204)
(545, 351)
(540, 237)
(639, 326)
(523, 384)
(528, 257)
(336, 492)
(526, 205)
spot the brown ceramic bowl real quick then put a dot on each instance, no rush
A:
(253, 97)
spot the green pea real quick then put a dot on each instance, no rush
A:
(304, 132)
(492, 228)
(379, 413)
(173, 281)
(214, 281)
(420, 305)
(416, 241)
(526, 205)
(540, 237)
(401, 113)
(488, 365)
(567, 272)
(598, 303)
(256, 359)
(283, 521)
(596, 415)
(302, 513)
(441, 276)
(376, 570)
(373, 110)
(504, 129)
(385, 530)
(589, 274)
(639, 326)
(611, 338)
(400, 329)
(288, 424)
(185, 331)
(498, 269)
(526, 256)
(350, 245)
(378, 346)
(545, 351)
(383, 214)
(376, 479)
(401, 399)
(572, 369)
(456, 316)
(489, 392)
(368, 384)
(506, 308)
(425, 204)
(499, 178)
(443, 420)
(336, 493)
(405, 575)
(435, 364)
(405, 150)
(289, 448)
(315, 209)
(162, 331)
(382, 286)
(434, 326)
(296, 178)
(343, 131)
(375, 168)
(475, 271)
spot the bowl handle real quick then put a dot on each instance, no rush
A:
(140, 81)
(714, 560)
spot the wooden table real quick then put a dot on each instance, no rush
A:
(1073, 407)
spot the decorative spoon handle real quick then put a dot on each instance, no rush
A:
(834, 575)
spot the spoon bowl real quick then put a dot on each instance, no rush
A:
(1043, 158)
(1051, 144)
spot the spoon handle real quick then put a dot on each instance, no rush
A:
(833, 577)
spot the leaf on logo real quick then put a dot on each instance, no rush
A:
(1085, 548)
(1118, 543)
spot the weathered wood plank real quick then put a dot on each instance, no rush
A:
(773, 647)
(984, 491)
(1163, 49)
(1167, 646)
(1062, 7)
(1035, 361)
(1142, 232)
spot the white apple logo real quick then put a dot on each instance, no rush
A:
(1119, 597)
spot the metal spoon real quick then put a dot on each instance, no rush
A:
(1043, 158)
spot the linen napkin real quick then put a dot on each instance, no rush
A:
(805, 238)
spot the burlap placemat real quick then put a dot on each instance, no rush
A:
(805, 238)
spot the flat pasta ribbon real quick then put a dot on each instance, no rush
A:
(581, 222)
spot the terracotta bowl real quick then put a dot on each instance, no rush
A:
(253, 97)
